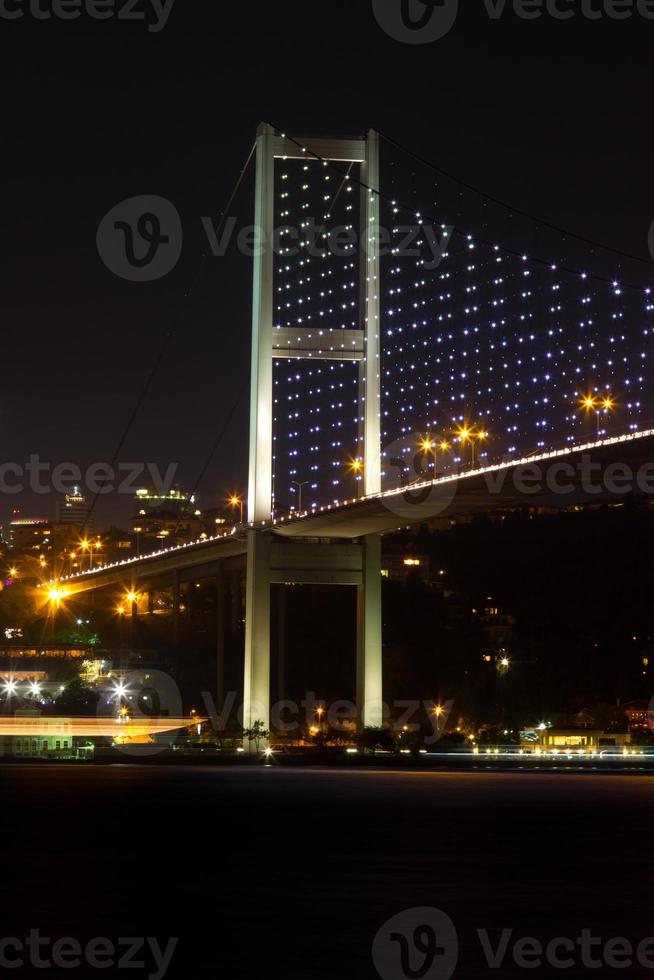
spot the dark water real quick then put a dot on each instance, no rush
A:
(270, 872)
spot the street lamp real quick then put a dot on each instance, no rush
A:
(481, 437)
(464, 434)
(591, 403)
(56, 595)
(438, 711)
(97, 546)
(607, 406)
(84, 546)
(236, 501)
(356, 468)
(428, 448)
(299, 486)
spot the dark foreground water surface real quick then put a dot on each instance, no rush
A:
(272, 872)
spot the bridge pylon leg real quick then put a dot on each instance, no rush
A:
(369, 638)
(256, 686)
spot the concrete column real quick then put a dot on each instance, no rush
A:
(220, 638)
(256, 686)
(235, 601)
(369, 368)
(281, 644)
(261, 388)
(369, 637)
(133, 623)
(176, 603)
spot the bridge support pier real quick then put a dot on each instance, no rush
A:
(176, 604)
(369, 688)
(256, 685)
(273, 561)
(220, 638)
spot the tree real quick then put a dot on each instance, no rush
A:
(77, 699)
(256, 734)
(376, 739)
(80, 633)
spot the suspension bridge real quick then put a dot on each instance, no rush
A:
(457, 374)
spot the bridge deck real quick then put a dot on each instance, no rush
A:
(581, 475)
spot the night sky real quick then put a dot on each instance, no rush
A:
(552, 116)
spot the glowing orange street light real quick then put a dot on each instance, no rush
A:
(599, 405)
(466, 433)
(480, 437)
(608, 405)
(56, 595)
(429, 445)
(588, 402)
(356, 468)
(438, 712)
(236, 501)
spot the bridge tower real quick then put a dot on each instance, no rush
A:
(363, 346)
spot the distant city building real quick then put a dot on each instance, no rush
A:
(29, 534)
(117, 545)
(169, 517)
(73, 509)
(398, 566)
(39, 546)
(571, 740)
(639, 716)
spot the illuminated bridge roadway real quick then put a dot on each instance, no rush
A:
(341, 544)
